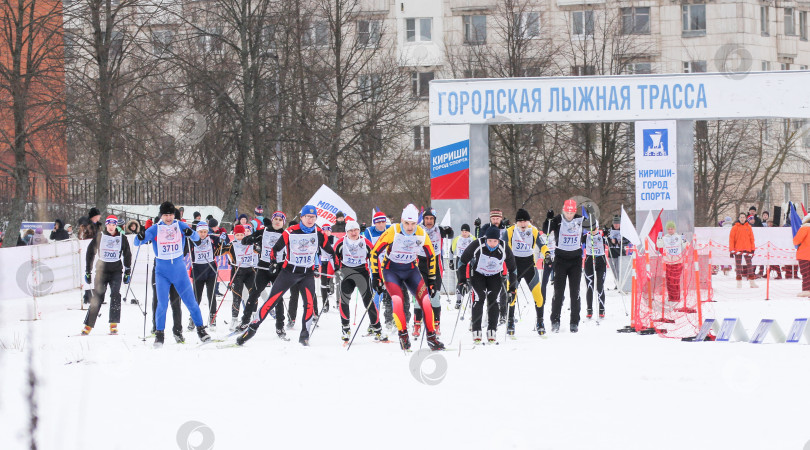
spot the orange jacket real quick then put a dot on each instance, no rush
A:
(741, 238)
(802, 239)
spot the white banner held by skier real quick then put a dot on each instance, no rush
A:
(329, 204)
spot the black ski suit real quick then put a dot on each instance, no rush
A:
(109, 249)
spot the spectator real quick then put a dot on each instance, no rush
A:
(132, 227)
(802, 239)
(59, 233)
(69, 230)
(340, 223)
(766, 219)
(741, 246)
(26, 237)
(93, 218)
(38, 237)
(752, 211)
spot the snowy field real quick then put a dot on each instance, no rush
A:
(592, 390)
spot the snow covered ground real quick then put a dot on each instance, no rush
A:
(594, 389)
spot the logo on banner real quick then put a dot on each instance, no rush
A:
(655, 142)
(450, 159)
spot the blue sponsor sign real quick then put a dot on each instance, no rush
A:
(450, 158)
(656, 142)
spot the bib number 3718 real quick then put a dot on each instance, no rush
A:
(302, 260)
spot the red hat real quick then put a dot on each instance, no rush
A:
(379, 216)
(111, 219)
(570, 206)
(239, 229)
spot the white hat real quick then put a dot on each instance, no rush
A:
(352, 225)
(410, 214)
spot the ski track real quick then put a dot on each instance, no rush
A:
(594, 389)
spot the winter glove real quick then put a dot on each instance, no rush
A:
(188, 232)
(141, 234)
(377, 283)
(127, 275)
(274, 268)
(223, 237)
(432, 286)
(448, 232)
(87, 278)
(451, 264)
(730, 254)
(507, 223)
(477, 222)
(257, 247)
(512, 297)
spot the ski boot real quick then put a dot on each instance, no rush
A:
(113, 328)
(491, 338)
(158, 339)
(290, 323)
(234, 323)
(501, 320)
(574, 327)
(212, 324)
(379, 337)
(178, 337)
(249, 333)
(602, 314)
(304, 341)
(86, 330)
(436, 328)
(281, 334)
(389, 325)
(541, 329)
(433, 342)
(326, 306)
(190, 324)
(370, 330)
(404, 341)
(417, 328)
(242, 327)
(555, 327)
(589, 314)
(345, 335)
(476, 335)
(202, 334)
(510, 327)
(458, 304)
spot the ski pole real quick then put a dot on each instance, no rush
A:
(452, 336)
(129, 285)
(145, 301)
(230, 284)
(357, 330)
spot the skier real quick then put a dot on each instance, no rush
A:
(673, 245)
(495, 220)
(488, 256)
(548, 259)
(243, 258)
(110, 246)
(267, 269)
(167, 244)
(594, 260)
(400, 245)
(524, 239)
(326, 272)
(381, 224)
(301, 244)
(436, 234)
(258, 221)
(204, 270)
(459, 244)
(567, 229)
(351, 256)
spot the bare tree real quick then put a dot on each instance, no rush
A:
(31, 86)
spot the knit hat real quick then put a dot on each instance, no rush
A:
(522, 214)
(352, 225)
(496, 212)
(493, 233)
(617, 219)
(339, 214)
(670, 224)
(202, 226)
(166, 208)
(752, 207)
(465, 227)
(570, 206)
(111, 219)
(308, 209)
(38, 230)
(242, 216)
(379, 216)
(258, 211)
(429, 212)
(239, 229)
(196, 214)
(327, 227)
(93, 212)
(410, 214)
(213, 223)
(279, 214)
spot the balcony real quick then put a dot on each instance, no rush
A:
(787, 46)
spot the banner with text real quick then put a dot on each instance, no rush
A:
(328, 204)
(656, 166)
(450, 171)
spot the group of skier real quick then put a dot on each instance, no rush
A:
(384, 263)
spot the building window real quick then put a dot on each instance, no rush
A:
(317, 34)
(421, 138)
(579, 71)
(162, 41)
(803, 67)
(803, 25)
(787, 192)
(269, 36)
(790, 22)
(805, 193)
(636, 20)
(694, 67)
(694, 20)
(368, 33)
(476, 73)
(475, 30)
(370, 86)
(639, 68)
(420, 84)
(116, 44)
(418, 29)
(528, 24)
(764, 20)
(784, 66)
(766, 66)
(210, 40)
(582, 23)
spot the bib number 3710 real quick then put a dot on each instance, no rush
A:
(170, 247)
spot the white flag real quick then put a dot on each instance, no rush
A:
(628, 230)
(328, 204)
(446, 219)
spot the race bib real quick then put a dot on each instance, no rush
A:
(522, 242)
(488, 265)
(461, 244)
(354, 252)
(404, 249)
(169, 241)
(570, 233)
(244, 254)
(109, 248)
(269, 239)
(595, 245)
(303, 248)
(203, 253)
